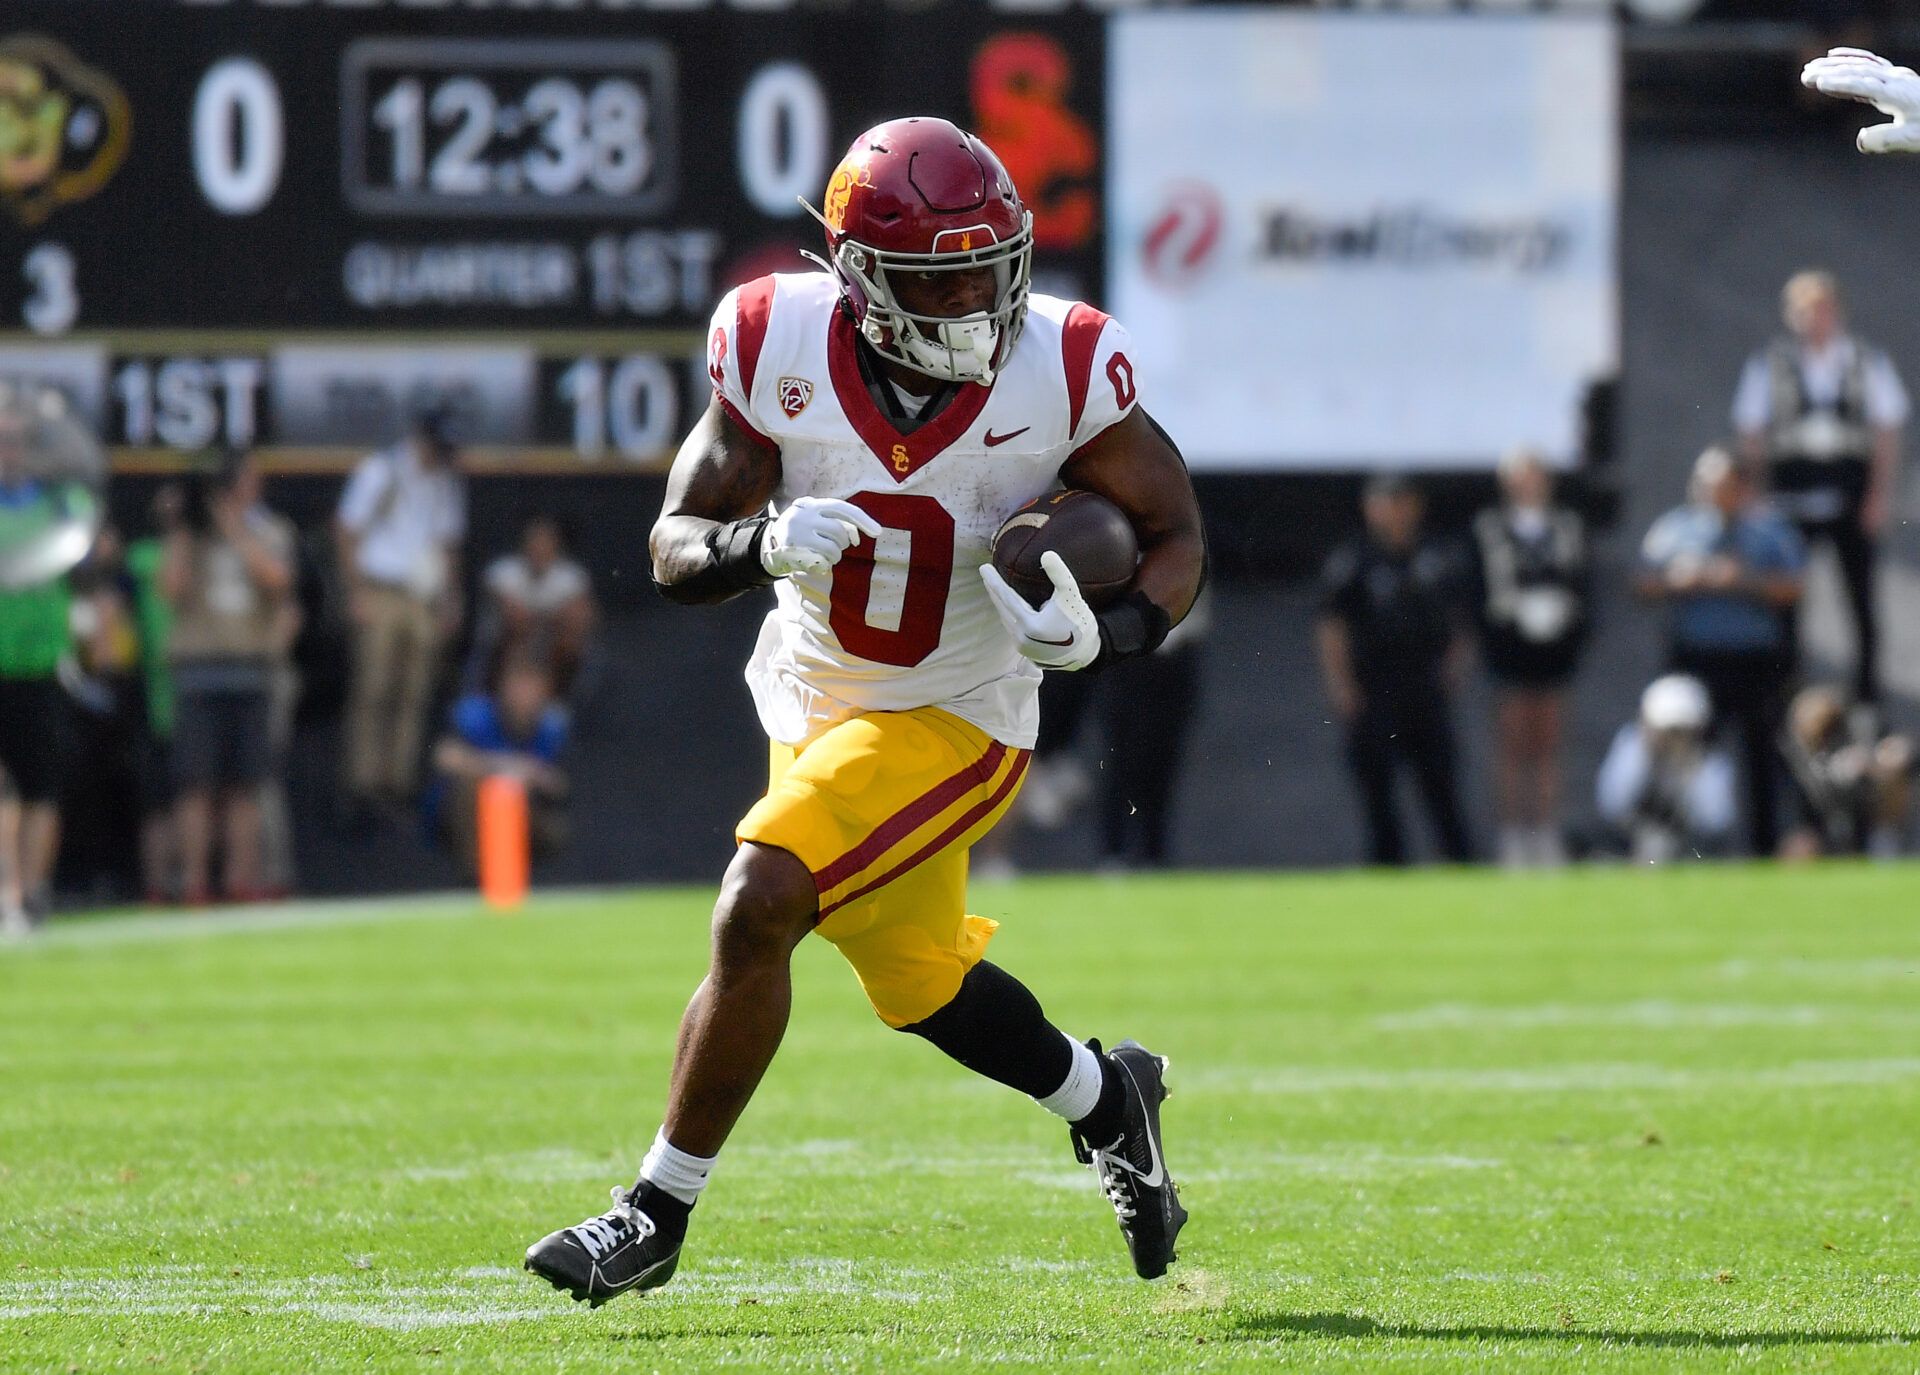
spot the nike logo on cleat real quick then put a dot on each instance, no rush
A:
(994, 440)
(1158, 1175)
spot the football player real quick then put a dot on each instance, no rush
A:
(1855, 74)
(872, 426)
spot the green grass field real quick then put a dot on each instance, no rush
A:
(1607, 1121)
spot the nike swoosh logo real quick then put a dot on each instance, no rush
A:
(1158, 1175)
(993, 440)
(1060, 644)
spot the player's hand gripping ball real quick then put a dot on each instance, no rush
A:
(1054, 561)
(1091, 535)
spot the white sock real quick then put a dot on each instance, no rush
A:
(1079, 1096)
(675, 1172)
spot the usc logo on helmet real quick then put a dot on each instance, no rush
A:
(840, 192)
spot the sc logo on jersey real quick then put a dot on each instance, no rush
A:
(64, 128)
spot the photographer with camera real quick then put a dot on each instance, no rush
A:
(228, 572)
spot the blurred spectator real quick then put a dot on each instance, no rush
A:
(153, 624)
(35, 636)
(518, 730)
(1822, 412)
(1729, 568)
(401, 524)
(538, 602)
(279, 875)
(1663, 793)
(1532, 586)
(1852, 792)
(1149, 708)
(1392, 655)
(99, 850)
(228, 574)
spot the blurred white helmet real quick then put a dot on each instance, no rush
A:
(1675, 702)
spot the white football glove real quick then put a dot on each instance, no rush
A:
(1061, 632)
(1855, 74)
(812, 534)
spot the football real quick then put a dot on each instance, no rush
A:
(1085, 529)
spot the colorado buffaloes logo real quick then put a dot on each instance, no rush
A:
(63, 128)
(795, 393)
(840, 191)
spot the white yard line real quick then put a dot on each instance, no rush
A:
(1658, 1014)
(1566, 1078)
(480, 1295)
(1874, 970)
(174, 925)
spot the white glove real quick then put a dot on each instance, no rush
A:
(1060, 633)
(812, 534)
(1856, 74)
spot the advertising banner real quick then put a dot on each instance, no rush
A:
(1358, 241)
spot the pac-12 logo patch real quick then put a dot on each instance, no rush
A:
(795, 394)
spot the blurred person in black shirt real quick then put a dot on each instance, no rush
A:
(1530, 562)
(1148, 705)
(1392, 653)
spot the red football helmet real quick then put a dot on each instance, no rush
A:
(924, 195)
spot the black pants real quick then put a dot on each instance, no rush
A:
(1411, 728)
(1148, 708)
(1749, 693)
(1857, 553)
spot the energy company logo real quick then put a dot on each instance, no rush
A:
(64, 128)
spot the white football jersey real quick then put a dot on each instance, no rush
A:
(903, 621)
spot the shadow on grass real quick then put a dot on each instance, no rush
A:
(1256, 1326)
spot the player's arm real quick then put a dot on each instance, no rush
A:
(1336, 666)
(715, 538)
(705, 545)
(1133, 464)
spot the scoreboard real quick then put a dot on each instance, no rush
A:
(285, 226)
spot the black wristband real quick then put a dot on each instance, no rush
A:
(735, 548)
(1131, 627)
(732, 567)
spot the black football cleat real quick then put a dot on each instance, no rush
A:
(603, 1257)
(1133, 1167)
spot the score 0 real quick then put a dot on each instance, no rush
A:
(239, 136)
